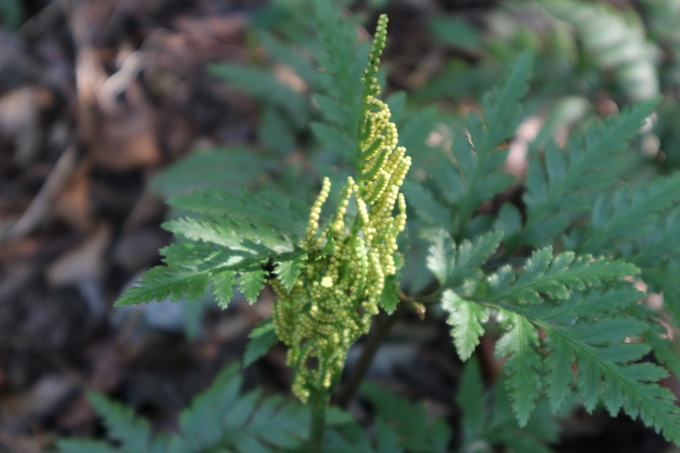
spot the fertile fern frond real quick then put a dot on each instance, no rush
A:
(557, 191)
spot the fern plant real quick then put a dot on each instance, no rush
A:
(558, 274)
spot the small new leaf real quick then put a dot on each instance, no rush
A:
(466, 319)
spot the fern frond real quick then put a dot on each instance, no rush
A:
(163, 282)
(583, 325)
(523, 365)
(607, 364)
(664, 277)
(466, 320)
(219, 419)
(235, 238)
(554, 277)
(262, 337)
(478, 173)
(264, 209)
(639, 224)
(339, 101)
(454, 265)
(625, 215)
(501, 105)
(427, 207)
(557, 192)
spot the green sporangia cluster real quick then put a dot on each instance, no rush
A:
(337, 293)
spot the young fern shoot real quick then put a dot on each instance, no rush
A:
(349, 262)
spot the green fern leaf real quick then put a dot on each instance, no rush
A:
(501, 105)
(223, 287)
(487, 418)
(592, 304)
(607, 366)
(288, 55)
(268, 213)
(557, 194)
(122, 424)
(466, 319)
(220, 418)
(428, 208)
(343, 63)
(624, 215)
(238, 233)
(471, 400)
(453, 265)
(630, 387)
(523, 365)
(163, 282)
(251, 283)
(666, 279)
(335, 141)
(479, 165)
(287, 272)
(554, 277)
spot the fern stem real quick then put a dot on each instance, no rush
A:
(318, 399)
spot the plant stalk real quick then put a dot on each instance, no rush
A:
(318, 402)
